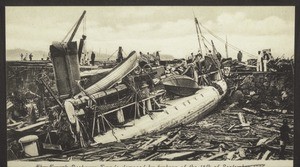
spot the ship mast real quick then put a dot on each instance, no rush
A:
(198, 35)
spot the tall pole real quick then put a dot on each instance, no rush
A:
(202, 37)
(196, 22)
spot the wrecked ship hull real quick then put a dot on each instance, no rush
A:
(178, 111)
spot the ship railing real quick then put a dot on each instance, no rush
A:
(127, 105)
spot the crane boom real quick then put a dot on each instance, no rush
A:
(76, 28)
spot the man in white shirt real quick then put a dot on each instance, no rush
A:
(259, 63)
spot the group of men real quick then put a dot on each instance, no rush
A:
(263, 58)
(151, 58)
(86, 61)
(25, 57)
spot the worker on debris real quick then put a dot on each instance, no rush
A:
(93, 58)
(198, 60)
(120, 55)
(284, 137)
(17, 98)
(157, 58)
(266, 59)
(31, 106)
(22, 56)
(240, 56)
(259, 61)
(30, 56)
(25, 58)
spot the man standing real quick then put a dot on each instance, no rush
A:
(25, 58)
(258, 64)
(284, 137)
(120, 55)
(93, 58)
(157, 58)
(30, 56)
(22, 56)
(266, 59)
(240, 56)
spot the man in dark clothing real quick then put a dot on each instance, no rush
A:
(240, 56)
(120, 55)
(284, 137)
(30, 56)
(93, 58)
(157, 58)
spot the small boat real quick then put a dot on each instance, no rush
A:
(115, 75)
(180, 85)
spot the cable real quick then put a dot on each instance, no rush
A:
(69, 32)
(112, 55)
(222, 40)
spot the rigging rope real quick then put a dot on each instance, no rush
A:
(112, 54)
(69, 32)
(224, 41)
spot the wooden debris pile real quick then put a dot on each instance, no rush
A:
(234, 134)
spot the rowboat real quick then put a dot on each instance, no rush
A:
(180, 85)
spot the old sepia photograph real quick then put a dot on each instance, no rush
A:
(171, 85)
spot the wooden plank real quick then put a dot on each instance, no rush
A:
(230, 155)
(146, 144)
(30, 127)
(250, 110)
(266, 155)
(39, 157)
(262, 141)
(150, 157)
(93, 152)
(150, 145)
(187, 150)
(231, 106)
(268, 129)
(216, 156)
(177, 156)
(14, 124)
(243, 120)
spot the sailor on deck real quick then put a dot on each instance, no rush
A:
(157, 58)
(120, 55)
(239, 56)
(30, 56)
(22, 56)
(93, 58)
(266, 59)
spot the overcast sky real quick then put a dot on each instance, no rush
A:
(170, 30)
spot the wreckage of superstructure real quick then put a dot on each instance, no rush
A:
(137, 96)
